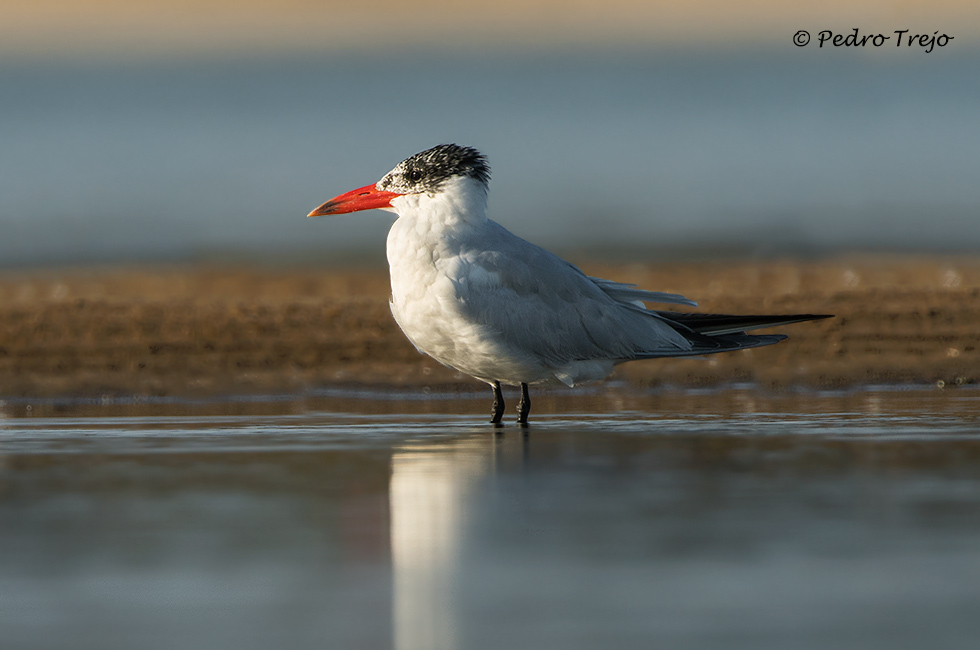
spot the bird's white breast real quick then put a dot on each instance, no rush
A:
(431, 278)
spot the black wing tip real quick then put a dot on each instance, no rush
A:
(695, 313)
(720, 324)
(806, 316)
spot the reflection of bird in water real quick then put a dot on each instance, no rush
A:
(430, 495)
(479, 299)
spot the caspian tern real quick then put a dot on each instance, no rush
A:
(479, 299)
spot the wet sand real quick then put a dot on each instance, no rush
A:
(210, 330)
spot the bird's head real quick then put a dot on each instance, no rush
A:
(442, 171)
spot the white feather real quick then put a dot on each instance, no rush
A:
(481, 300)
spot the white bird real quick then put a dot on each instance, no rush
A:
(479, 299)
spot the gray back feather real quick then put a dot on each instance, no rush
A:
(537, 302)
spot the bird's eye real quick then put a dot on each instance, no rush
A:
(415, 175)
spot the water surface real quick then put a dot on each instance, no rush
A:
(714, 519)
(781, 150)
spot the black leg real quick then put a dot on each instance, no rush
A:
(497, 413)
(524, 407)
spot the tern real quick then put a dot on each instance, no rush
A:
(479, 299)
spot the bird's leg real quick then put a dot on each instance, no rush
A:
(524, 407)
(497, 412)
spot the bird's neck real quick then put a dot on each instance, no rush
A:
(461, 202)
(429, 233)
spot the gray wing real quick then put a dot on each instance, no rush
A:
(536, 303)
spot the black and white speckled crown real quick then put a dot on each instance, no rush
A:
(428, 170)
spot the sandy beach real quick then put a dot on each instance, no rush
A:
(206, 330)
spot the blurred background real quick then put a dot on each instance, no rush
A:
(189, 131)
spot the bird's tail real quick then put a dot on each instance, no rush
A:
(710, 333)
(720, 324)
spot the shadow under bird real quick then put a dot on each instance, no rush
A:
(477, 298)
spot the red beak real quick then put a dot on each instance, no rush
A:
(363, 198)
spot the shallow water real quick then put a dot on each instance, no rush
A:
(637, 153)
(714, 519)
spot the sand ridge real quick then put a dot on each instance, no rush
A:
(205, 330)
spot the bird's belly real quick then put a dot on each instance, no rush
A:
(432, 318)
